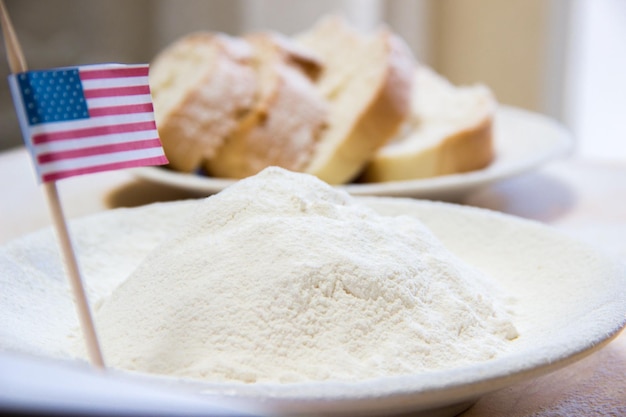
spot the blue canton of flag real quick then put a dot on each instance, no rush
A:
(53, 96)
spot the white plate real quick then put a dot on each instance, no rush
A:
(523, 140)
(570, 301)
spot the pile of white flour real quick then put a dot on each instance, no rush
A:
(281, 278)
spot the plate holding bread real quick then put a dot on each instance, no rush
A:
(355, 109)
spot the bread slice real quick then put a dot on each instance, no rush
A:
(450, 132)
(287, 118)
(202, 85)
(367, 81)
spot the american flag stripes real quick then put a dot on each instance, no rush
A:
(87, 119)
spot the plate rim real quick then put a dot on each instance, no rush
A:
(456, 384)
(561, 144)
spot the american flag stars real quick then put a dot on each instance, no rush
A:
(53, 96)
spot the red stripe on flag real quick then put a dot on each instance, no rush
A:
(117, 91)
(93, 131)
(127, 109)
(86, 74)
(98, 150)
(57, 175)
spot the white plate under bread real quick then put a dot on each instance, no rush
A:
(570, 301)
(523, 141)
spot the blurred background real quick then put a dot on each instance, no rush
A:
(562, 58)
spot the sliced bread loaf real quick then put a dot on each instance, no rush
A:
(287, 118)
(450, 131)
(367, 81)
(202, 85)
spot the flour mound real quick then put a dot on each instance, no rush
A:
(281, 278)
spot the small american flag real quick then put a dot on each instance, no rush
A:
(87, 119)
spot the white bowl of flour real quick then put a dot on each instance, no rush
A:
(289, 297)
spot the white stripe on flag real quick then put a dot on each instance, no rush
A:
(92, 122)
(83, 143)
(118, 101)
(89, 161)
(98, 83)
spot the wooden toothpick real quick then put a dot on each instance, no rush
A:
(17, 64)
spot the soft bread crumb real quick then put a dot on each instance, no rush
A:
(201, 86)
(450, 131)
(287, 118)
(367, 80)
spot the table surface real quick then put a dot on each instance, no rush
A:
(586, 199)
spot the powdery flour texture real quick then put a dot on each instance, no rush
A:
(281, 278)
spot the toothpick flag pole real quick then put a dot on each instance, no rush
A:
(84, 314)
(14, 52)
(17, 64)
